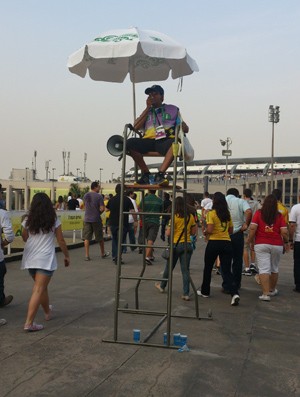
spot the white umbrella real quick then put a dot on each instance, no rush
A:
(145, 55)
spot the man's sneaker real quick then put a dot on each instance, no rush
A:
(148, 261)
(273, 293)
(144, 180)
(115, 260)
(160, 179)
(253, 268)
(235, 300)
(7, 300)
(264, 298)
(247, 272)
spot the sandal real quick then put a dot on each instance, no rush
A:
(106, 254)
(185, 298)
(33, 327)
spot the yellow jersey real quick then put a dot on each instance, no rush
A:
(284, 211)
(220, 231)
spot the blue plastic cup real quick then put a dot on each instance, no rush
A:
(183, 340)
(165, 338)
(136, 335)
(176, 339)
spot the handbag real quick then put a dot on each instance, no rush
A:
(166, 252)
(186, 150)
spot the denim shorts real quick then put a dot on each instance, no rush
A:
(48, 273)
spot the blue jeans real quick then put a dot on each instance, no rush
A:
(114, 239)
(2, 274)
(130, 231)
(178, 253)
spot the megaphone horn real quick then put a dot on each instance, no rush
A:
(115, 145)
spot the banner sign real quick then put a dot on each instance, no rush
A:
(70, 220)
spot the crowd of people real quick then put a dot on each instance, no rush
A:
(242, 237)
(237, 230)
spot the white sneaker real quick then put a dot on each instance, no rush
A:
(235, 300)
(265, 298)
(273, 293)
(203, 296)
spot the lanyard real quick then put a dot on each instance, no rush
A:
(155, 116)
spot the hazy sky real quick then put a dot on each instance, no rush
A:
(247, 53)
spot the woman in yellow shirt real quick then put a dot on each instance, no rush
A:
(219, 226)
(179, 247)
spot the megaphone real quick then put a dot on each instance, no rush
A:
(115, 145)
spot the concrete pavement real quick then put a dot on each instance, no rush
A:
(250, 350)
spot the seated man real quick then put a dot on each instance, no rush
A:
(157, 123)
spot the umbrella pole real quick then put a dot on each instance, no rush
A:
(134, 118)
(134, 102)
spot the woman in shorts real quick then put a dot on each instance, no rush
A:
(269, 238)
(39, 229)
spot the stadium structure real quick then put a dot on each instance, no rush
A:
(253, 173)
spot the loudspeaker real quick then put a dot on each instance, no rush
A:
(115, 145)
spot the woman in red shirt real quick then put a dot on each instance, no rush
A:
(269, 239)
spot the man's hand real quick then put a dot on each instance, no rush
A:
(185, 127)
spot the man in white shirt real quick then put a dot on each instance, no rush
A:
(241, 216)
(294, 238)
(132, 224)
(7, 230)
(206, 200)
(250, 268)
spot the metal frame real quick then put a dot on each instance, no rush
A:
(166, 315)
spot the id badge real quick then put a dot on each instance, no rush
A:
(160, 132)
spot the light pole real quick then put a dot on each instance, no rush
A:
(26, 189)
(68, 163)
(47, 163)
(53, 169)
(112, 176)
(77, 169)
(64, 153)
(273, 118)
(35, 154)
(84, 165)
(100, 170)
(226, 153)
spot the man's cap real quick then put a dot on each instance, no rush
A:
(155, 88)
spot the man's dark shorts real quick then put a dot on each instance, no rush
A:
(149, 145)
(90, 228)
(151, 231)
